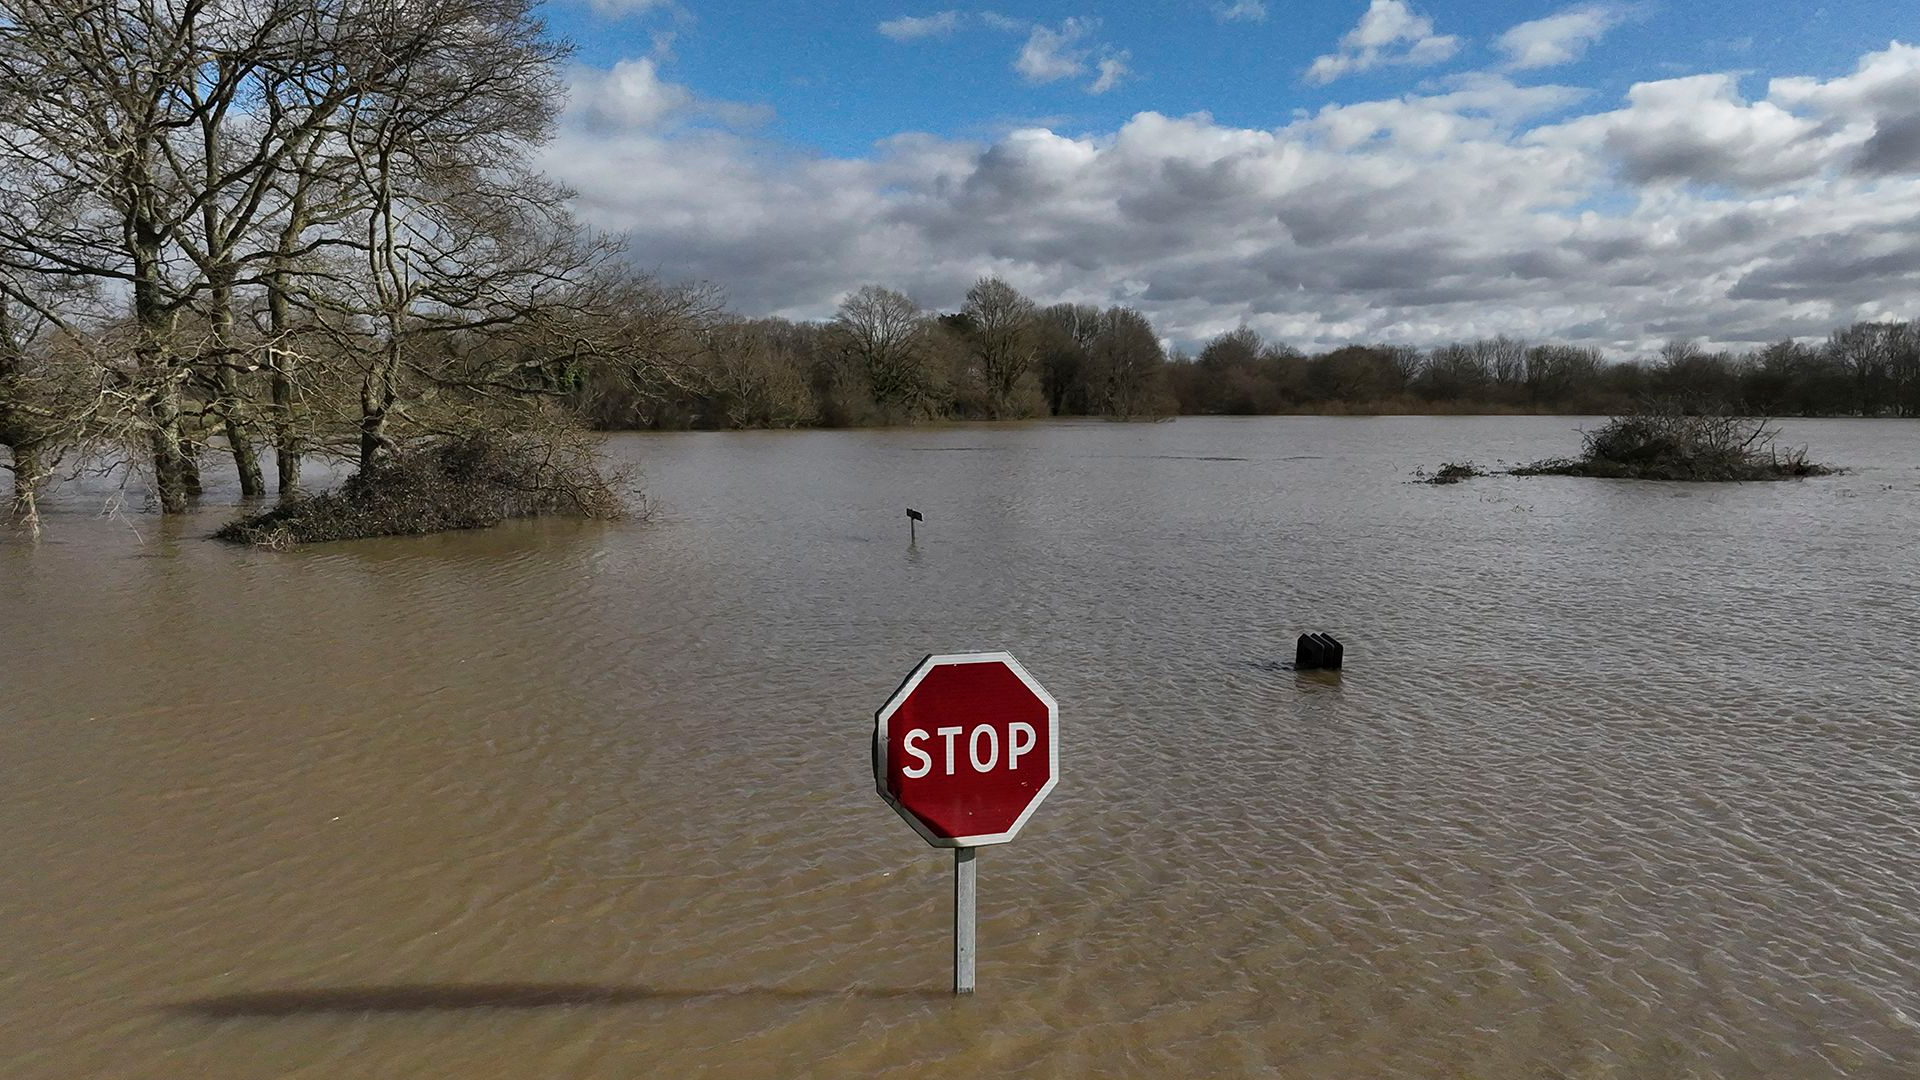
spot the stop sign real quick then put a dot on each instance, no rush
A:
(967, 748)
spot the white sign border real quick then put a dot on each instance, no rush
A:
(913, 680)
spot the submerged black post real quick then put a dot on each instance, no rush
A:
(1306, 653)
(913, 516)
(1332, 652)
(1316, 651)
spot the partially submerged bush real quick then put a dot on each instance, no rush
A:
(1666, 441)
(1451, 473)
(469, 482)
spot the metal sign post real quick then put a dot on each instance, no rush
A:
(963, 920)
(965, 751)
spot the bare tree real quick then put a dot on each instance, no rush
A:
(1001, 337)
(1904, 368)
(886, 338)
(1454, 372)
(458, 234)
(94, 92)
(756, 378)
(1066, 333)
(1554, 371)
(271, 78)
(1866, 352)
(27, 423)
(1130, 365)
(1504, 358)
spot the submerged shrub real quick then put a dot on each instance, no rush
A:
(1451, 473)
(1671, 441)
(467, 482)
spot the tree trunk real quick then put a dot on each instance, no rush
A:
(281, 361)
(376, 400)
(246, 462)
(390, 283)
(175, 475)
(26, 486)
(372, 437)
(286, 440)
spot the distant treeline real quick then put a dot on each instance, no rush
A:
(883, 360)
(1868, 369)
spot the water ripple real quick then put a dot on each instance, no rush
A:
(1620, 780)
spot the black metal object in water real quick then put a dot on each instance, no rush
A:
(1318, 651)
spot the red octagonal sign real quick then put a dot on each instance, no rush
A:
(967, 748)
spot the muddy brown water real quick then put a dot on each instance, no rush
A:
(1621, 780)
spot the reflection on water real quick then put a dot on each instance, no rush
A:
(1620, 779)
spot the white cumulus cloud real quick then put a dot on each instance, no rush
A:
(629, 95)
(632, 96)
(614, 9)
(1556, 39)
(915, 27)
(1479, 207)
(1241, 11)
(1049, 53)
(1053, 54)
(1883, 92)
(1700, 130)
(1388, 33)
(1111, 70)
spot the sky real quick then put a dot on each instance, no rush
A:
(1606, 174)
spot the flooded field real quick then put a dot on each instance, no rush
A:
(1621, 779)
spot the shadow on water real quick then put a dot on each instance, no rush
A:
(1312, 680)
(454, 997)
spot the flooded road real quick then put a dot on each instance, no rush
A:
(1621, 779)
